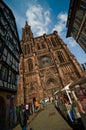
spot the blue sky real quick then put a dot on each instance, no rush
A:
(45, 16)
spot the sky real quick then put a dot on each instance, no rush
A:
(45, 16)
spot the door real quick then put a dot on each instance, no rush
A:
(2, 113)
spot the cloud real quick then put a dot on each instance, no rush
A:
(60, 26)
(20, 20)
(38, 18)
(61, 23)
(70, 42)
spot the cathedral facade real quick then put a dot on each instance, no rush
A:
(46, 65)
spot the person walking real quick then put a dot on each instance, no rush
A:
(37, 105)
(17, 112)
(23, 118)
(11, 117)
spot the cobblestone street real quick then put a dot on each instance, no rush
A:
(49, 119)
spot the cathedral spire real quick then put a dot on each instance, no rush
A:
(27, 34)
(26, 23)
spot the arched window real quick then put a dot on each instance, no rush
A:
(57, 41)
(43, 45)
(38, 46)
(60, 56)
(25, 49)
(28, 49)
(51, 80)
(53, 42)
(30, 65)
(26, 34)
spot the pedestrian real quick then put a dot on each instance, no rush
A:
(23, 117)
(17, 112)
(11, 117)
(37, 105)
(27, 108)
(44, 102)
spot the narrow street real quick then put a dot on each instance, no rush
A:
(49, 119)
(42, 64)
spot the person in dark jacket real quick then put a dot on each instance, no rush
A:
(23, 118)
(11, 117)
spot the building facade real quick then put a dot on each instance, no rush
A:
(76, 22)
(84, 66)
(9, 62)
(46, 65)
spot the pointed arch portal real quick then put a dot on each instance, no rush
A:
(51, 86)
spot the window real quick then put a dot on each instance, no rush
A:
(27, 37)
(83, 5)
(9, 77)
(79, 15)
(4, 73)
(13, 78)
(26, 34)
(2, 31)
(51, 80)
(84, 28)
(53, 42)
(1, 6)
(57, 41)
(28, 49)
(30, 65)
(43, 45)
(26, 31)
(75, 25)
(25, 49)
(82, 39)
(60, 57)
(1, 46)
(84, 66)
(2, 20)
(38, 46)
(77, 22)
(75, 31)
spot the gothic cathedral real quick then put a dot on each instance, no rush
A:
(46, 65)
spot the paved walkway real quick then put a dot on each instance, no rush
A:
(49, 119)
(31, 118)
